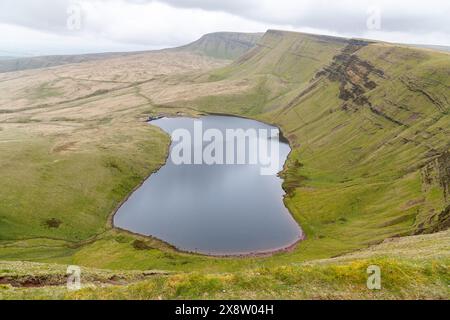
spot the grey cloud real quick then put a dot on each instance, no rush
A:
(342, 16)
(339, 16)
(231, 6)
(44, 15)
(160, 23)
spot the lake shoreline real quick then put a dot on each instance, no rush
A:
(243, 255)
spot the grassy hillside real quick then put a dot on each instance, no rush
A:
(368, 124)
(405, 275)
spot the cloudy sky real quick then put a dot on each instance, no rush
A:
(39, 27)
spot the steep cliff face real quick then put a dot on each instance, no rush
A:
(364, 118)
(437, 172)
(436, 187)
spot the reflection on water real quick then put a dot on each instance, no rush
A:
(212, 209)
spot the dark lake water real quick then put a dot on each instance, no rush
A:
(219, 209)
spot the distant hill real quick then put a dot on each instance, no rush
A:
(432, 47)
(18, 64)
(223, 45)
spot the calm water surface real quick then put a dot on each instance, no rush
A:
(212, 209)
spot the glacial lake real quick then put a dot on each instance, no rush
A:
(213, 209)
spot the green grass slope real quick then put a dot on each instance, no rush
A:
(40, 202)
(369, 125)
(405, 274)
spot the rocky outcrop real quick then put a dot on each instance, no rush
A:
(443, 221)
(352, 73)
(437, 172)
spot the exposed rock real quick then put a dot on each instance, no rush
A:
(353, 74)
(53, 223)
(438, 172)
(443, 222)
(141, 245)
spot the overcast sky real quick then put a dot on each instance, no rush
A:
(39, 27)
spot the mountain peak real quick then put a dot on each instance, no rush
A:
(223, 45)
